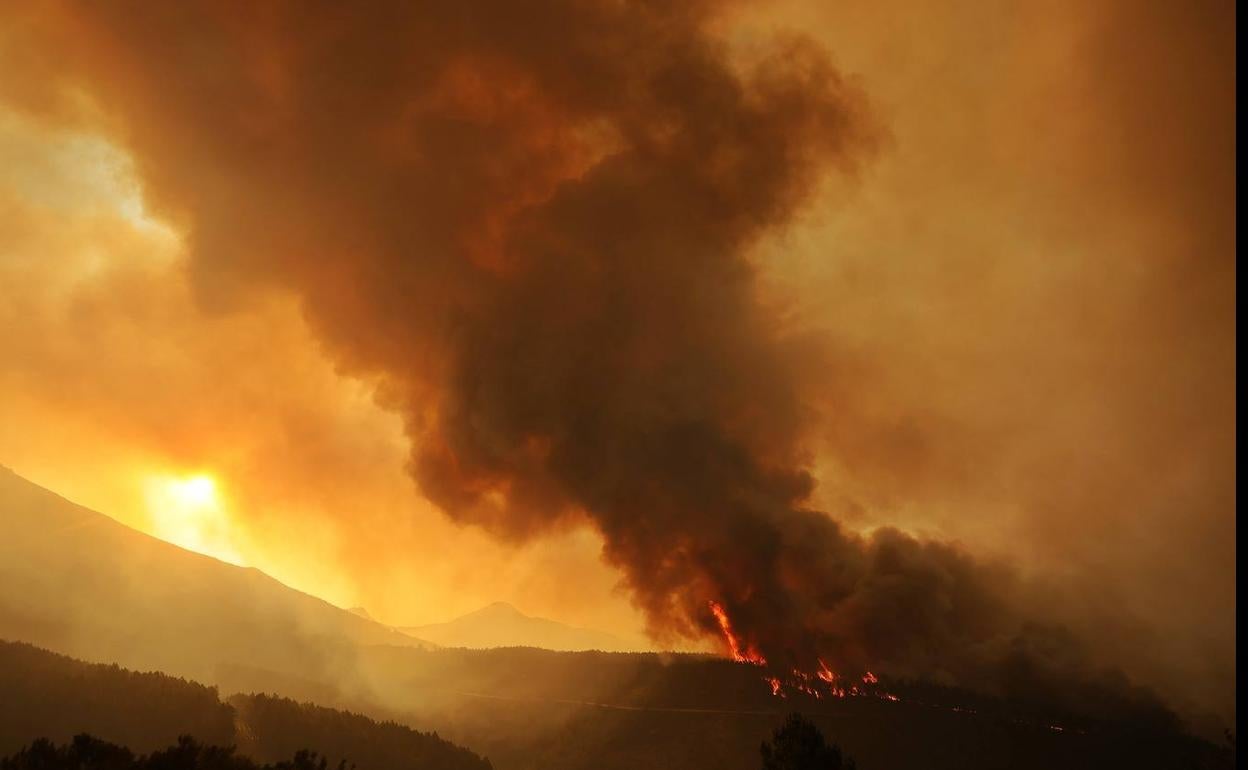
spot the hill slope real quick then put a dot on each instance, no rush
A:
(86, 583)
(78, 582)
(46, 695)
(502, 625)
(531, 709)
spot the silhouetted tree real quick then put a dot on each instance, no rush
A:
(87, 753)
(188, 754)
(799, 745)
(82, 752)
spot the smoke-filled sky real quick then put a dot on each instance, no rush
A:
(611, 309)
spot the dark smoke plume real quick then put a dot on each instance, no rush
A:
(533, 224)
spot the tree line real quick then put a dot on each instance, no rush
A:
(56, 698)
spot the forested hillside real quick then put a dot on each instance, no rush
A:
(50, 696)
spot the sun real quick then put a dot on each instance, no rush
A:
(189, 511)
(196, 491)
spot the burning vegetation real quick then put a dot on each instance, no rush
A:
(822, 682)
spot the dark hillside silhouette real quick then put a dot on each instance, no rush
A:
(50, 696)
(281, 726)
(85, 752)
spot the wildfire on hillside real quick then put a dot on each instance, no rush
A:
(819, 684)
(824, 682)
(747, 654)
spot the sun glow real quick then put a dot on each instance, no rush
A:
(188, 511)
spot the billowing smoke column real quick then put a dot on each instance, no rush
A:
(533, 222)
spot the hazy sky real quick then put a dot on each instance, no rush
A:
(1017, 294)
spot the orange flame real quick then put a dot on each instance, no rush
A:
(775, 685)
(824, 682)
(801, 681)
(825, 673)
(750, 654)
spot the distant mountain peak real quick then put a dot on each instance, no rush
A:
(502, 624)
(499, 608)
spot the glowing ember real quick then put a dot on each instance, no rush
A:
(825, 682)
(825, 673)
(750, 654)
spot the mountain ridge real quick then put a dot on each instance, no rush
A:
(501, 624)
(138, 599)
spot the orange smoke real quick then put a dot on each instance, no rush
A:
(566, 331)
